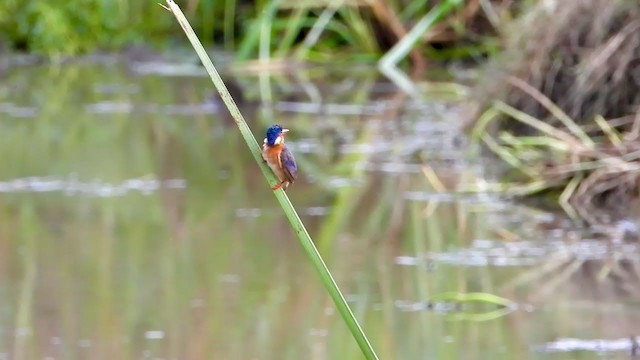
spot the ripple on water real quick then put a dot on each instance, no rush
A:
(257, 212)
(113, 107)
(71, 186)
(523, 253)
(597, 345)
(18, 111)
(154, 334)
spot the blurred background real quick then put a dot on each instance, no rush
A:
(136, 225)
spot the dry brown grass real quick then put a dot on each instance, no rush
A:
(568, 101)
(584, 55)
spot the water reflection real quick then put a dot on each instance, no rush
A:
(135, 225)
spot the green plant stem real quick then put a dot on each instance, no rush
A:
(388, 64)
(404, 46)
(287, 207)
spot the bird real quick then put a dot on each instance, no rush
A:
(278, 157)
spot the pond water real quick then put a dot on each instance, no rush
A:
(135, 225)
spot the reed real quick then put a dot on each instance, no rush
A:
(296, 224)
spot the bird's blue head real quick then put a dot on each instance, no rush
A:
(275, 135)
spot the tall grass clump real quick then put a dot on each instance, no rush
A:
(564, 103)
(61, 27)
(581, 54)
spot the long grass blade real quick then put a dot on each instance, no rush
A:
(250, 42)
(538, 124)
(404, 46)
(574, 128)
(287, 207)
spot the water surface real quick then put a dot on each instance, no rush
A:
(135, 225)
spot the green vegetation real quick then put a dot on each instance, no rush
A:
(210, 267)
(310, 30)
(61, 27)
(564, 109)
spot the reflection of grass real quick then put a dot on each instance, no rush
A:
(610, 276)
(108, 270)
(24, 306)
(377, 217)
(446, 226)
(182, 263)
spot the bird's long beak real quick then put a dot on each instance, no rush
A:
(285, 131)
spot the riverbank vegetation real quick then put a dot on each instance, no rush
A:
(567, 114)
(327, 30)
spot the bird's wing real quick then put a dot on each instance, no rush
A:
(288, 164)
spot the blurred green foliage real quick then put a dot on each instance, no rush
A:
(259, 28)
(68, 27)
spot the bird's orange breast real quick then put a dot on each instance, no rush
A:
(271, 154)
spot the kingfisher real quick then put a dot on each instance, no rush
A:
(278, 157)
